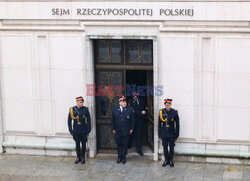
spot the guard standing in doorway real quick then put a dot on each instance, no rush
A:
(168, 130)
(81, 127)
(123, 123)
(139, 111)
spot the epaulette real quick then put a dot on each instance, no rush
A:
(71, 108)
(161, 110)
(175, 110)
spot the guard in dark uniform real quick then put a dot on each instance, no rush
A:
(168, 130)
(81, 127)
(139, 111)
(123, 122)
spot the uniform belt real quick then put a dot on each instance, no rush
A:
(80, 122)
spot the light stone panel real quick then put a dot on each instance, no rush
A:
(68, 75)
(42, 83)
(17, 88)
(233, 88)
(68, 84)
(66, 51)
(233, 123)
(187, 123)
(16, 51)
(206, 89)
(18, 116)
(176, 74)
(233, 54)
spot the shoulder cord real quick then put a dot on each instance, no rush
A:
(72, 114)
(163, 120)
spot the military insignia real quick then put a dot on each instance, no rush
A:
(127, 116)
(71, 112)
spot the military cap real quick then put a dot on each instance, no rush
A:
(135, 94)
(167, 101)
(80, 98)
(122, 98)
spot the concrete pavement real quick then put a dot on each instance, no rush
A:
(104, 167)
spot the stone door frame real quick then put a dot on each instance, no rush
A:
(90, 79)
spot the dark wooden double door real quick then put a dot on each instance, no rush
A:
(120, 67)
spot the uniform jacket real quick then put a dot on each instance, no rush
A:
(84, 127)
(172, 130)
(138, 108)
(123, 122)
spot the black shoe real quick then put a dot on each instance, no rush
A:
(165, 163)
(171, 164)
(83, 161)
(118, 161)
(140, 153)
(123, 161)
(77, 160)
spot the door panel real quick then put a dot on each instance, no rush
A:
(108, 52)
(106, 99)
(139, 52)
(112, 58)
(150, 106)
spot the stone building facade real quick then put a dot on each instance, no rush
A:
(200, 54)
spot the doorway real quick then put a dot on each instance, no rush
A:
(119, 63)
(138, 78)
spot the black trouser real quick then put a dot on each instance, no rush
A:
(80, 138)
(165, 143)
(137, 134)
(122, 146)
